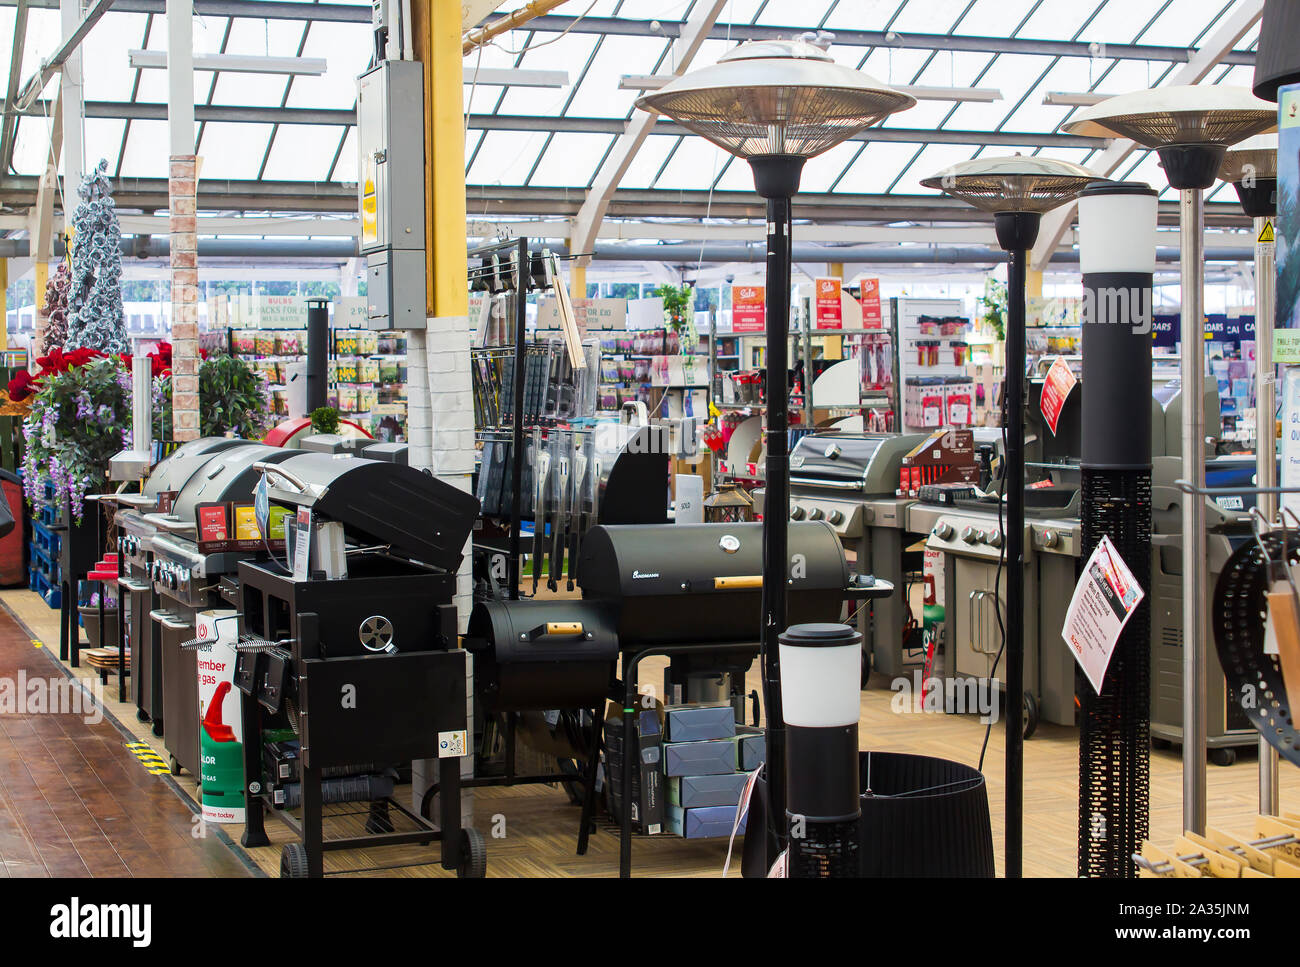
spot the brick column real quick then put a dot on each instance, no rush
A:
(185, 298)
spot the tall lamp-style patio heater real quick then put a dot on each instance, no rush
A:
(1190, 127)
(1251, 167)
(776, 103)
(1016, 190)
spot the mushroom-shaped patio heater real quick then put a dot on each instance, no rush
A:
(1191, 128)
(1016, 190)
(1251, 167)
(776, 103)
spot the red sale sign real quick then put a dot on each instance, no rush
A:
(1059, 382)
(870, 296)
(747, 304)
(828, 313)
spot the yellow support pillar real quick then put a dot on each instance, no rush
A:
(1033, 284)
(835, 270)
(437, 34)
(4, 304)
(38, 311)
(577, 279)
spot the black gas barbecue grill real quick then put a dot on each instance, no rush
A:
(364, 667)
(692, 592)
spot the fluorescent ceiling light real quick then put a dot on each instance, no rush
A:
(511, 77)
(1068, 99)
(235, 63)
(983, 95)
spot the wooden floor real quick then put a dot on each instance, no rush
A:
(74, 800)
(540, 826)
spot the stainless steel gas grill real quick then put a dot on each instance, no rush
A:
(135, 566)
(691, 592)
(354, 649)
(849, 481)
(185, 581)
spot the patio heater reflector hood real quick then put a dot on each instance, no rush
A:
(1251, 168)
(1191, 126)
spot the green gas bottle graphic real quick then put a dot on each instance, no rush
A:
(221, 768)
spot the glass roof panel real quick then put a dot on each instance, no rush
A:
(506, 157)
(570, 160)
(145, 155)
(105, 64)
(931, 17)
(791, 13)
(693, 165)
(1009, 73)
(646, 164)
(996, 18)
(863, 14)
(598, 96)
(819, 173)
(346, 168)
(302, 152)
(876, 167)
(1059, 19)
(567, 53)
(103, 140)
(1184, 21)
(931, 161)
(250, 90)
(31, 144)
(231, 150)
(346, 51)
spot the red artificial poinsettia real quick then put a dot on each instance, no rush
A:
(57, 361)
(22, 386)
(160, 360)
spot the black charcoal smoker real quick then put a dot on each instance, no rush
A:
(353, 649)
(692, 592)
(1117, 249)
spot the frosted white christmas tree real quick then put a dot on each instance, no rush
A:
(95, 318)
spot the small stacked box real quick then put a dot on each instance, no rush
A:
(706, 758)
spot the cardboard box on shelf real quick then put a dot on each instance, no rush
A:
(696, 723)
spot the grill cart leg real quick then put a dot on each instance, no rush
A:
(630, 758)
(589, 782)
(449, 812)
(254, 826)
(312, 818)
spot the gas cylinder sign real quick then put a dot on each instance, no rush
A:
(221, 747)
(1056, 388)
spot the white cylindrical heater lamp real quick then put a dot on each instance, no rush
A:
(1120, 228)
(821, 670)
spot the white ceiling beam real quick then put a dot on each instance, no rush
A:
(585, 226)
(1221, 42)
(234, 63)
(1071, 99)
(515, 77)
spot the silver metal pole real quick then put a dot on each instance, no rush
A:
(1265, 450)
(1192, 226)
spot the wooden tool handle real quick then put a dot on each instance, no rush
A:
(739, 582)
(1286, 626)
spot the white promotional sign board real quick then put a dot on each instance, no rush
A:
(1104, 599)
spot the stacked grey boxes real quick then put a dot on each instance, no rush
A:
(706, 758)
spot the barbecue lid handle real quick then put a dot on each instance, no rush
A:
(555, 629)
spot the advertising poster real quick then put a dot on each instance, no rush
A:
(870, 298)
(827, 310)
(747, 308)
(221, 748)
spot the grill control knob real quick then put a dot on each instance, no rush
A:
(836, 517)
(816, 514)
(797, 512)
(970, 535)
(993, 538)
(943, 530)
(1051, 538)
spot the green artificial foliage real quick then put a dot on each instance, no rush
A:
(232, 399)
(993, 307)
(678, 302)
(325, 419)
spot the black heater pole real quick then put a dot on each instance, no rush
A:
(776, 177)
(1017, 232)
(318, 338)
